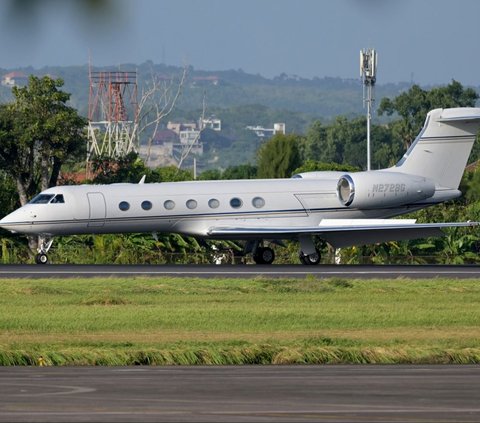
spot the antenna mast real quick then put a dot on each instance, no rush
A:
(368, 73)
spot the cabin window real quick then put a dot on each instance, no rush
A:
(191, 204)
(169, 204)
(213, 203)
(258, 202)
(42, 199)
(58, 199)
(236, 203)
(146, 205)
(123, 206)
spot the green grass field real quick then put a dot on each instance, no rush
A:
(198, 321)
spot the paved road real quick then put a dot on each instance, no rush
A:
(241, 394)
(247, 271)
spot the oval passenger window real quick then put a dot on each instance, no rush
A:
(169, 204)
(236, 203)
(191, 204)
(146, 205)
(123, 206)
(213, 203)
(258, 202)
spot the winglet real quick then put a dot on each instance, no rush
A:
(142, 181)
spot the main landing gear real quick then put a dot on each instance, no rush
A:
(44, 244)
(309, 254)
(264, 255)
(261, 254)
(310, 258)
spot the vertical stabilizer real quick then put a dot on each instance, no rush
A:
(440, 152)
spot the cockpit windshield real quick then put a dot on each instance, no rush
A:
(47, 198)
(42, 199)
(58, 199)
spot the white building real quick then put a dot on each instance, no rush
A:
(261, 132)
(14, 78)
(211, 123)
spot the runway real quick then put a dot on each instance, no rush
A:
(241, 271)
(241, 394)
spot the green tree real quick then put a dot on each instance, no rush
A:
(171, 174)
(314, 166)
(412, 106)
(8, 194)
(129, 168)
(210, 175)
(315, 141)
(38, 134)
(279, 156)
(244, 171)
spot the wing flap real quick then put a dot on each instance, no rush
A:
(343, 233)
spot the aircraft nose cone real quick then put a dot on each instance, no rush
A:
(13, 221)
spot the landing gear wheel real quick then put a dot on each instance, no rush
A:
(264, 255)
(311, 259)
(41, 258)
(44, 244)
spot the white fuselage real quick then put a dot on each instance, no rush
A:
(191, 208)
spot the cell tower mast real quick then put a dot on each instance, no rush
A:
(368, 73)
(112, 114)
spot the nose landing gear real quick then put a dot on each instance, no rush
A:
(44, 244)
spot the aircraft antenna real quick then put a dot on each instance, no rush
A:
(368, 73)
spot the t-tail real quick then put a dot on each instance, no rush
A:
(441, 150)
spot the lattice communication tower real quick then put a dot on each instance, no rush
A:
(112, 114)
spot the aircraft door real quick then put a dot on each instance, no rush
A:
(97, 209)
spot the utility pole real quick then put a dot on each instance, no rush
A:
(368, 73)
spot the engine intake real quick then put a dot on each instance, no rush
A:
(377, 189)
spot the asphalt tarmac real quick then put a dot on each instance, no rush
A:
(242, 271)
(241, 394)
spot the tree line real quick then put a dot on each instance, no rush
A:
(43, 139)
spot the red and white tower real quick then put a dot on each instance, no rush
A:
(112, 114)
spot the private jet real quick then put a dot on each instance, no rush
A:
(341, 208)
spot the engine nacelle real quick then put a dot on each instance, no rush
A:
(382, 189)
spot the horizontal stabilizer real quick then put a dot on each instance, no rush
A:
(348, 232)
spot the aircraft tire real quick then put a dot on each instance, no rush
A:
(264, 255)
(312, 259)
(41, 258)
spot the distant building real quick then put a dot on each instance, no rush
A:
(205, 80)
(279, 128)
(13, 79)
(165, 136)
(178, 127)
(211, 123)
(188, 138)
(261, 132)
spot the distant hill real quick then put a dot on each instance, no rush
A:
(237, 98)
(318, 97)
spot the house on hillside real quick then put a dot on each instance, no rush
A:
(205, 80)
(13, 79)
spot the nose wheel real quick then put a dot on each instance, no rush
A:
(41, 258)
(44, 244)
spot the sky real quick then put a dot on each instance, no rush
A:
(425, 41)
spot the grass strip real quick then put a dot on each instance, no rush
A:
(171, 321)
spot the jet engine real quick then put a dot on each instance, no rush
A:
(382, 189)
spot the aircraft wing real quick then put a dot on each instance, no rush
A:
(347, 232)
